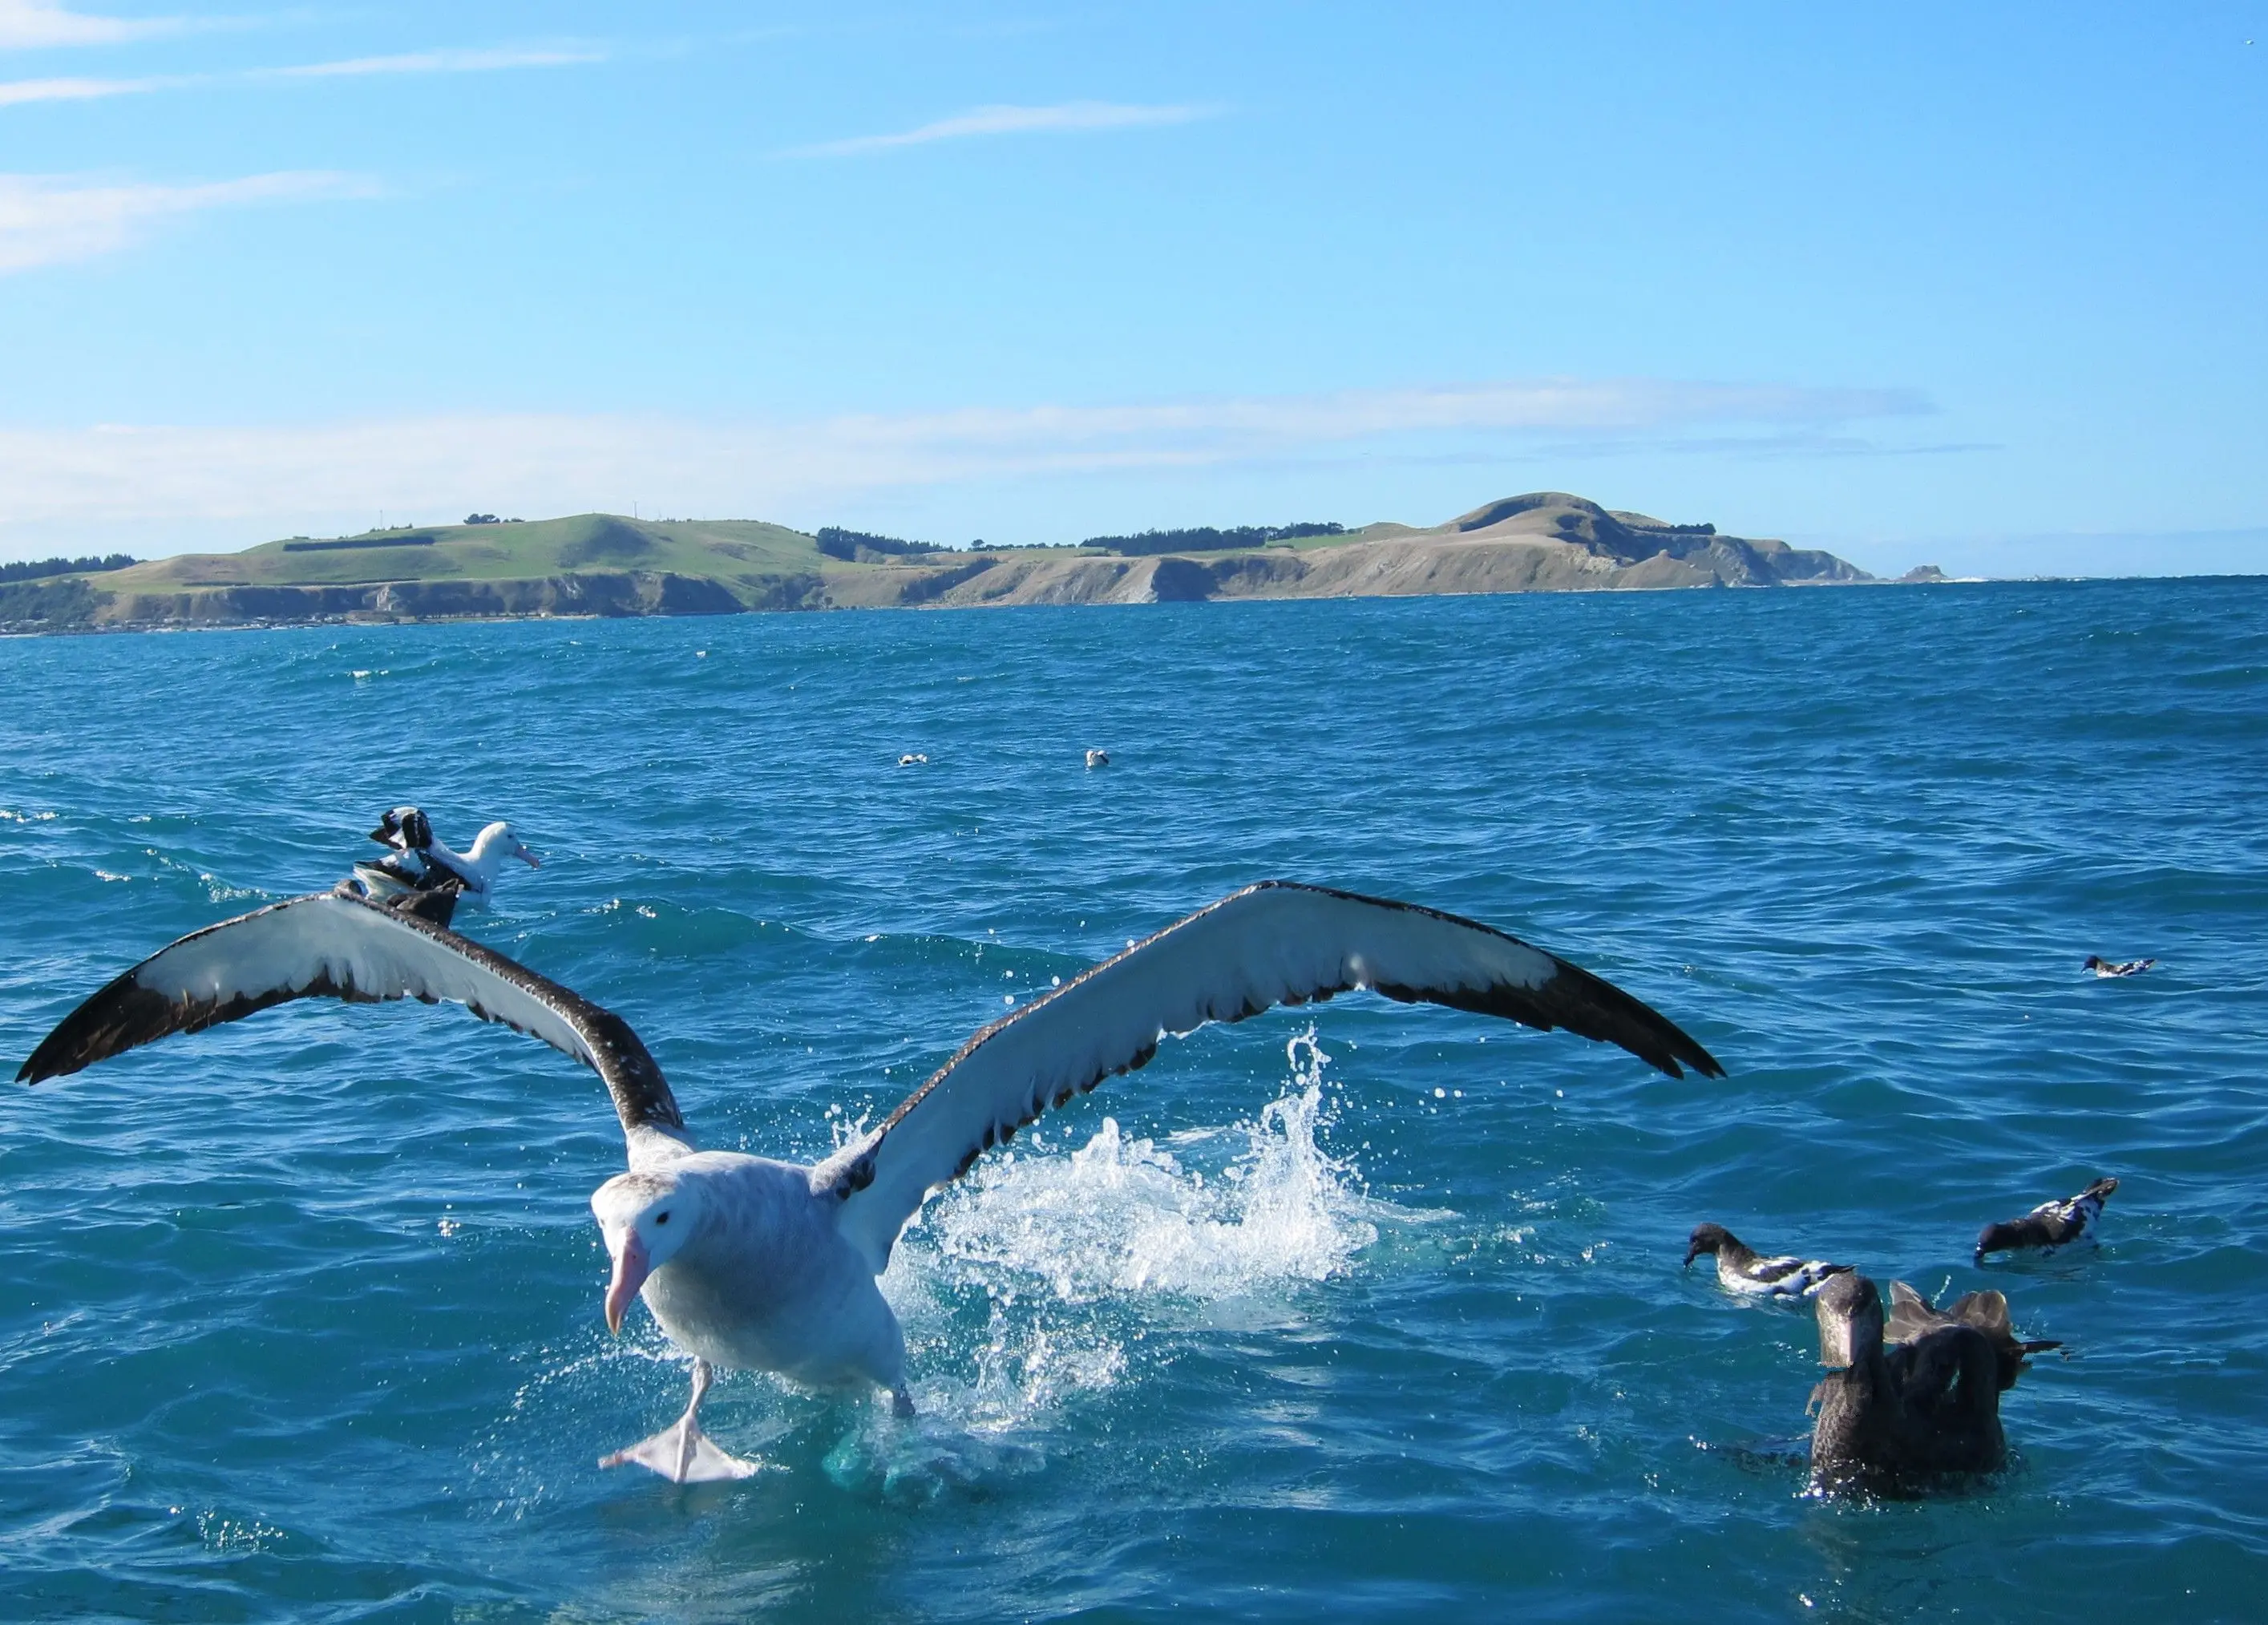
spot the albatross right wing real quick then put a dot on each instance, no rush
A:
(332, 945)
(1275, 943)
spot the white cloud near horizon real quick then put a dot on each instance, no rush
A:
(280, 478)
(46, 219)
(16, 92)
(1012, 121)
(32, 25)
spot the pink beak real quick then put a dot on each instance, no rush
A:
(631, 1271)
(532, 861)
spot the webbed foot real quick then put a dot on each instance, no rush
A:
(683, 1454)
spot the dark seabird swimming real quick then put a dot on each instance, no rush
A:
(2051, 1225)
(1739, 1269)
(1912, 1317)
(1890, 1421)
(2101, 966)
(749, 1262)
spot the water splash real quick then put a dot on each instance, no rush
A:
(1124, 1216)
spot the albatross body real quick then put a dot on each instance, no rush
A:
(417, 861)
(749, 1262)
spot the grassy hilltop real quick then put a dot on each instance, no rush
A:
(604, 565)
(726, 549)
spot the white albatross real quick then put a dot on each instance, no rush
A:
(421, 863)
(751, 1263)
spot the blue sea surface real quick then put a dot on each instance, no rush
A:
(1362, 1311)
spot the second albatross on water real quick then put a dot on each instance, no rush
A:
(752, 1263)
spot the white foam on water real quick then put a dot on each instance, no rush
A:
(1123, 1217)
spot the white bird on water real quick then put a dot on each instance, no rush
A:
(752, 1263)
(421, 862)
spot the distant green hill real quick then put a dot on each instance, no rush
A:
(727, 549)
(604, 565)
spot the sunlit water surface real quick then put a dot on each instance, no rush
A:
(1359, 1313)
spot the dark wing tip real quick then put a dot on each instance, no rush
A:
(1596, 1009)
(121, 1016)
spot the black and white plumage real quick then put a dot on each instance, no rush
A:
(419, 862)
(1913, 1317)
(750, 1263)
(1894, 1422)
(1741, 1269)
(2104, 968)
(2051, 1225)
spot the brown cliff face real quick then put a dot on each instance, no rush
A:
(1545, 542)
(598, 593)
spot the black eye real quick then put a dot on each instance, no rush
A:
(661, 1219)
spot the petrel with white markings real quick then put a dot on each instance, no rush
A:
(1740, 1268)
(2051, 1225)
(752, 1263)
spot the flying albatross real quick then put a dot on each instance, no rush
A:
(751, 1263)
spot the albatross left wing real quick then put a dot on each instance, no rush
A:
(1275, 943)
(334, 945)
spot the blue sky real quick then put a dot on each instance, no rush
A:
(1982, 286)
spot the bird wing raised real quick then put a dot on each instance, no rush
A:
(1912, 1315)
(1275, 943)
(331, 945)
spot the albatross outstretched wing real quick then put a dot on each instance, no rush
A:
(331, 945)
(1275, 943)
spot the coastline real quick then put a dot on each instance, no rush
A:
(605, 566)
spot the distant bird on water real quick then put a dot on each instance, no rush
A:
(1889, 1421)
(913, 758)
(1098, 758)
(2051, 1225)
(2101, 966)
(1741, 1269)
(749, 1262)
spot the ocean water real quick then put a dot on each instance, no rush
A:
(1362, 1311)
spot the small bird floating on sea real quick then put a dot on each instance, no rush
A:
(1098, 758)
(2104, 968)
(2051, 1225)
(1912, 1317)
(1890, 1421)
(1740, 1270)
(760, 1264)
(913, 758)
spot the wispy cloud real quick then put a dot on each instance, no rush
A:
(440, 62)
(16, 92)
(29, 24)
(497, 59)
(45, 219)
(300, 476)
(1007, 121)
